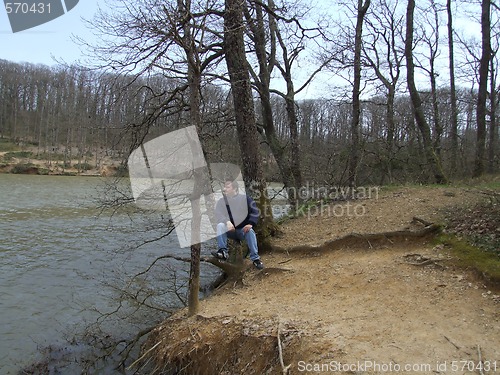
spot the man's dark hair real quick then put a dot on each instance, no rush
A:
(234, 184)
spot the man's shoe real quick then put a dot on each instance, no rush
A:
(258, 264)
(221, 254)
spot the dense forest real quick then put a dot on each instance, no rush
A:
(364, 122)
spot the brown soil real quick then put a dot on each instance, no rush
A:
(389, 306)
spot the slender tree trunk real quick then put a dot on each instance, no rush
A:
(194, 272)
(434, 51)
(438, 129)
(453, 92)
(422, 124)
(356, 102)
(295, 164)
(483, 88)
(194, 82)
(391, 130)
(493, 118)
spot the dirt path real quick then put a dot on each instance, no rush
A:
(361, 310)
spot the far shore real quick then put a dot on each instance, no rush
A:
(31, 168)
(27, 165)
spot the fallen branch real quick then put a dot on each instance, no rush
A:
(480, 360)
(280, 352)
(426, 223)
(227, 267)
(144, 355)
(423, 260)
(452, 343)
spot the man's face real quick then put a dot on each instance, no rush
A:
(228, 189)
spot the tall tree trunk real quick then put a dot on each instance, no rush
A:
(194, 82)
(253, 176)
(434, 51)
(295, 155)
(356, 102)
(453, 92)
(194, 79)
(422, 124)
(483, 88)
(391, 130)
(493, 117)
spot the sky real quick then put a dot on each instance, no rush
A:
(51, 41)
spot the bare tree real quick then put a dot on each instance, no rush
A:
(453, 90)
(278, 39)
(259, 34)
(482, 94)
(429, 152)
(173, 38)
(431, 38)
(362, 8)
(494, 91)
(383, 51)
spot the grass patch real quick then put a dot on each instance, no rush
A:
(485, 264)
(8, 146)
(51, 156)
(9, 156)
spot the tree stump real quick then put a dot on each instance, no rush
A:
(234, 267)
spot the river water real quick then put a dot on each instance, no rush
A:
(58, 251)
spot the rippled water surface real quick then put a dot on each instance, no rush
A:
(54, 251)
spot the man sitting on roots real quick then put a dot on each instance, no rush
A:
(236, 215)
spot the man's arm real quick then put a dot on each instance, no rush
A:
(221, 214)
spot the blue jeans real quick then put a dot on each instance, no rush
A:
(250, 237)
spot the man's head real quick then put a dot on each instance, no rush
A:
(230, 188)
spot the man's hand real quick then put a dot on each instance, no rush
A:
(230, 226)
(246, 228)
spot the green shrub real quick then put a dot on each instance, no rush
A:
(25, 168)
(122, 171)
(43, 171)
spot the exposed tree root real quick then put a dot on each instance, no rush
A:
(370, 239)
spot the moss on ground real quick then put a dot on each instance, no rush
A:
(485, 264)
